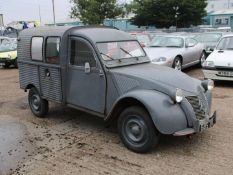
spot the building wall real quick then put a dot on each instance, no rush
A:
(222, 20)
(215, 5)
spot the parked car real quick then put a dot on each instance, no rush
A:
(105, 72)
(176, 51)
(219, 64)
(143, 38)
(8, 52)
(209, 39)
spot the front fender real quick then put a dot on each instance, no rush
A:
(168, 117)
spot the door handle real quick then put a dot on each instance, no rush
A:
(47, 73)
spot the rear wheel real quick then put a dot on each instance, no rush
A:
(38, 106)
(136, 129)
(177, 64)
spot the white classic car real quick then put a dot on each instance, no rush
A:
(219, 64)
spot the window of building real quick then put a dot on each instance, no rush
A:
(81, 53)
(52, 50)
(37, 48)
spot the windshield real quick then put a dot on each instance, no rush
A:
(161, 41)
(120, 50)
(143, 39)
(226, 44)
(208, 37)
(8, 45)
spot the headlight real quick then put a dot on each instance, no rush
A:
(208, 84)
(208, 64)
(160, 59)
(179, 95)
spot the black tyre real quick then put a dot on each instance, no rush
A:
(16, 63)
(202, 58)
(38, 106)
(7, 65)
(137, 130)
(177, 64)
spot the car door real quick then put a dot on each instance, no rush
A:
(85, 89)
(191, 51)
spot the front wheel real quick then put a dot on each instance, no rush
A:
(38, 106)
(177, 64)
(202, 58)
(137, 130)
(16, 63)
(6, 66)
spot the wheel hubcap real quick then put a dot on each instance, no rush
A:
(135, 130)
(177, 65)
(35, 102)
(203, 59)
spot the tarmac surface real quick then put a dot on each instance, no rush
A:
(71, 142)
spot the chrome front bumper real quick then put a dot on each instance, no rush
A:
(199, 126)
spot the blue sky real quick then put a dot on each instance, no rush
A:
(16, 10)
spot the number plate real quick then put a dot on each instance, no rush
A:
(225, 73)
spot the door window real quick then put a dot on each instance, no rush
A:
(37, 48)
(52, 50)
(81, 53)
(191, 42)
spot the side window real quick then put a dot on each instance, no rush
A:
(81, 53)
(191, 41)
(52, 50)
(37, 48)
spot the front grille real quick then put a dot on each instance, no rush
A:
(197, 106)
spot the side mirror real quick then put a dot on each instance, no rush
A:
(87, 68)
(142, 45)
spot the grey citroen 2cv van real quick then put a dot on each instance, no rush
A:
(105, 72)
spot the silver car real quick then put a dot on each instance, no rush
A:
(177, 52)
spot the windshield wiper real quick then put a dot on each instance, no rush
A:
(111, 58)
(155, 46)
(129, 53)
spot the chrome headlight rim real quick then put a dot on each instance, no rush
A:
(179, 95)
(210, 85)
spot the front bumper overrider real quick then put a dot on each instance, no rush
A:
(199, 126)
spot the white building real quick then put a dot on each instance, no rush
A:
(216, 5)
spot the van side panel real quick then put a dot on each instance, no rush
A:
(28, 75)
(51, 86)
(33, 72)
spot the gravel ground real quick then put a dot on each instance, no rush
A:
(72, 142)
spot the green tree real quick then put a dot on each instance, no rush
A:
(166, 13)
(95, 11)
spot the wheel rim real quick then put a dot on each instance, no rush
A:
(177, 64)
(135, 130)
(203, 58)
(35, 102)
